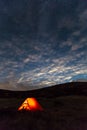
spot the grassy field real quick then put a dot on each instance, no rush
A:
(61, 113)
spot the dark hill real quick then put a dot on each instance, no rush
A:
(74, 88)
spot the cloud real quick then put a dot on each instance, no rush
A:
(83, 16)
(53, 67)
(52, 54)
(26, 60)
(53, 74)
(66, 43)
(75, 47)
(76, 33)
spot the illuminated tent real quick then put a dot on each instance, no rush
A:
(30, 104)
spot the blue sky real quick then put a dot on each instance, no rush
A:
(43, 42)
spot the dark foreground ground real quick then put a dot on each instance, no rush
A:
(61, 113)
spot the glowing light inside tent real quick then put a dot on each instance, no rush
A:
(30, 104)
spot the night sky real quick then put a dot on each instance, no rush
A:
(42, 42)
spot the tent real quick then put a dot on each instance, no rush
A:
(30, 104)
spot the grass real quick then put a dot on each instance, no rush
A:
(61, 113)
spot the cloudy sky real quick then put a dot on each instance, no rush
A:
(42, 42)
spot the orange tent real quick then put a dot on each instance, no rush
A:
(30, 104)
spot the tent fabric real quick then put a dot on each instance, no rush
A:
(30, 104)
